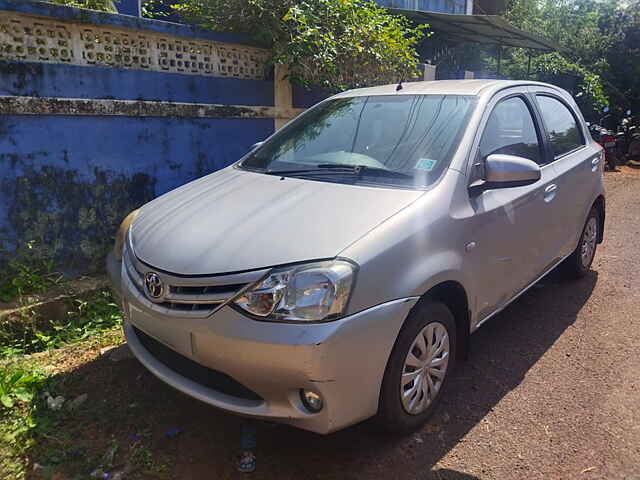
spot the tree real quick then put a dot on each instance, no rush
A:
(334, 44)
(576, 27)
(624, 58)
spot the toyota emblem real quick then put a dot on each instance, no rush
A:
(153, 285)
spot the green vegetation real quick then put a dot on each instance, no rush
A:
(18, 386)
(29, 426)
(18, 389)
(334, 44)
(109, 432)
(86, 317)
(600, 48)
(104, 5)
(24, 272)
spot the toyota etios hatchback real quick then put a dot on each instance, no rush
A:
(336, 272)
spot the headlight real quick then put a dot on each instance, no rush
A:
(311, 292)
(122, 234)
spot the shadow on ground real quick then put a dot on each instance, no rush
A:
(128, 405)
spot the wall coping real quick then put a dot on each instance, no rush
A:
(80, 15)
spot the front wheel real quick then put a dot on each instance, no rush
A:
(418, 369)
(578, 264)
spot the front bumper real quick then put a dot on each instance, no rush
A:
(343, 361)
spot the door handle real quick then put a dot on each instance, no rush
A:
(595, 163)
(550, 192)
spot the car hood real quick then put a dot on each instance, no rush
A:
(234, 220)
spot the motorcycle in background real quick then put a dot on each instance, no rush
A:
(634, 146)
(610, 145)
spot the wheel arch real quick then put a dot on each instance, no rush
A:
(453, 294)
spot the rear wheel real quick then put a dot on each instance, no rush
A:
(418, 369)
(578, 264)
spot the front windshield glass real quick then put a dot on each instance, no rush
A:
(404, 140)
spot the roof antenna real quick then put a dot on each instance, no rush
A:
(399, 87)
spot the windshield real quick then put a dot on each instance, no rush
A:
(405, 140)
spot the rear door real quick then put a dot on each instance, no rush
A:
(575, 160)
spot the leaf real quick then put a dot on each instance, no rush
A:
(24, 396)
(6, 400)
(15, 378)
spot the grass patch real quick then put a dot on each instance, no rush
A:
(27, 422)
(114, 431)
(34, 437)
(30, 333)
(19, 386)
(27, 272)
(68, 412)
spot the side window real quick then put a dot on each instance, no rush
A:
(564, 134)
(510, 130)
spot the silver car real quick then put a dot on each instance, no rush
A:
(337, 271)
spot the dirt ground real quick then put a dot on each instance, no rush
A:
(551, 390)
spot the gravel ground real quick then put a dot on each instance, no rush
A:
(550, 391)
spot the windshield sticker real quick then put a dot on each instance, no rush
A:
(426, 164)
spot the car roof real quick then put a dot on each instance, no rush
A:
(442, 87)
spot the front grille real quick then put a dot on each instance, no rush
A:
(195, 372)
(193, 298)
(186, 307)
(203, 290)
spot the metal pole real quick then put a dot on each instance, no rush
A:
(529, 65)
(499, 59)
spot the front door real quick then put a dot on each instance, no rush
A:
(511, 226)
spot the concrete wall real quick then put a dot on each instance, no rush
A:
(99, 113)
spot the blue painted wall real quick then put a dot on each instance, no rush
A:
(66, 181)
(305, 98)
(70, 81)
(129, 7)
(170, 150)
(72, 179)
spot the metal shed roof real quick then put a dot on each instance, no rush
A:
(487, 29)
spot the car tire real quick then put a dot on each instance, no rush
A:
(428, 318)
(578, 264)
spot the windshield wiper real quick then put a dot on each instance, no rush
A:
(341, 169)
(322, 168)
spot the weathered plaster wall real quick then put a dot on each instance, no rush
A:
(71, 81)
(67, 181)
(70, 173)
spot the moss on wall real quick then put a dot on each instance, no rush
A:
(71, 219)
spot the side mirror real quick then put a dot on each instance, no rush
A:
(504, 171)
(255, 145)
